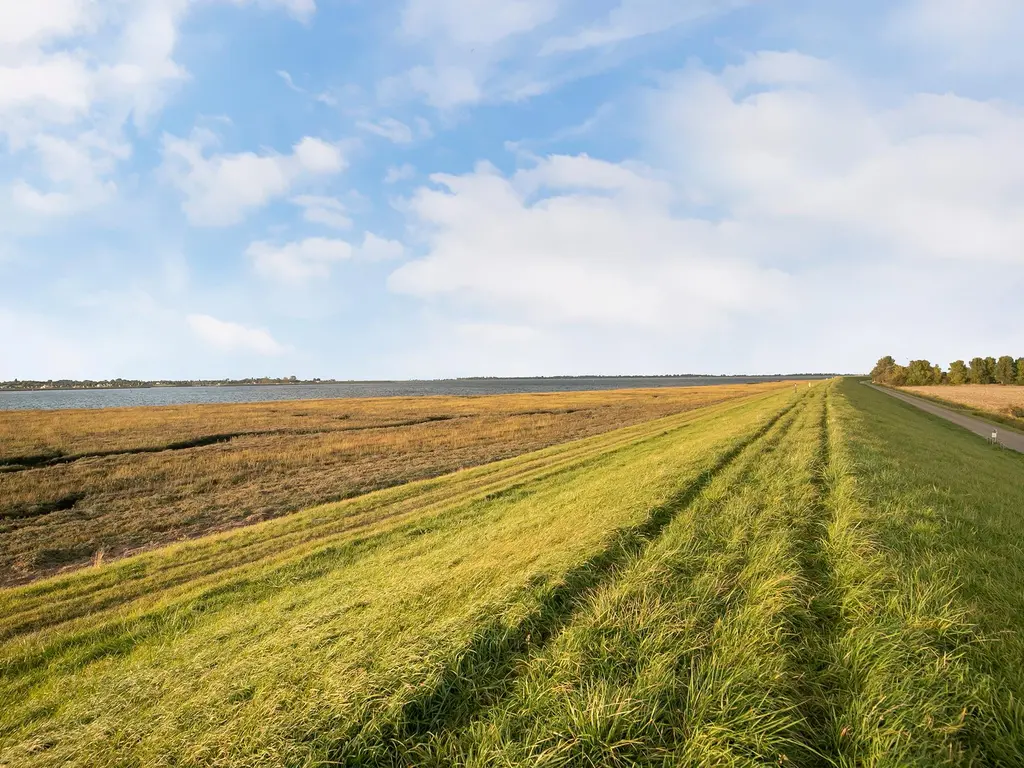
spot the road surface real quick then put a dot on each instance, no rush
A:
(1006, 437)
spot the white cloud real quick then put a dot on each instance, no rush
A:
(57, 88)
(390, 128)
(600, 254)
(41, 20)
(444, 86)
(328, 211)
(376, 248)
(79, 169)
(301, 8)
(233, 337)
(28, 198)
(582, 172)
(586, 127)
(979, 35)
(935, 176)
(324, 97)
(299, 261)
(287, 77)
(786, 209)
(64, 62)
(220, 189)
(486, 52)
(466, 42)
(460, 81)
(637, 18)
(75, 70)
(318, 156)
(398, 173)
(782, 68)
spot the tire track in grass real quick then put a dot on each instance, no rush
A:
(601, 626)
(735, 693)
(485, 671)
(818, 625)
(887, 680)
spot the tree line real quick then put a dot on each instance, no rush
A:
(980, 370)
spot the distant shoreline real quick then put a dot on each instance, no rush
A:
(87, 386)
(152, 385)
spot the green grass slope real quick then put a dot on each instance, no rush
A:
(823, 578)
(946, 510)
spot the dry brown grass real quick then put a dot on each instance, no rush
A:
(1004, 401)
(74, 484)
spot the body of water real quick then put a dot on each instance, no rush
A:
(119, 398)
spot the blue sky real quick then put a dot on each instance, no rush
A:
(430, 188)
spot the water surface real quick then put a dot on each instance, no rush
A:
(117, 398)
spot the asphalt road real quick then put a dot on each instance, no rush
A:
(1006, 437)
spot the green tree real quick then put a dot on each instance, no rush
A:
(898, 375)
(1006, 370)
(1020, 371)
(979, 371)
(990, 370)
(919, 373)
(880, 373)
(957, 373)
(938, 377)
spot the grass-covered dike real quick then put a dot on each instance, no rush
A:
(814, 577)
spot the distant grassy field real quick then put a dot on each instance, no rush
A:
(76, 485)
(829, 577)
(1005, 403)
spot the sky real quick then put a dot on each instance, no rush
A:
(365, 189)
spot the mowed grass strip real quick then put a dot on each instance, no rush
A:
(885, 663)
(282, 662)
(78, 485)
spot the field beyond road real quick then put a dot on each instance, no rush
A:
(80, 485)
(815, 577)
(962, 417)
(1006, 403)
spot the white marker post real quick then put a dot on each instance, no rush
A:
(995, 435)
